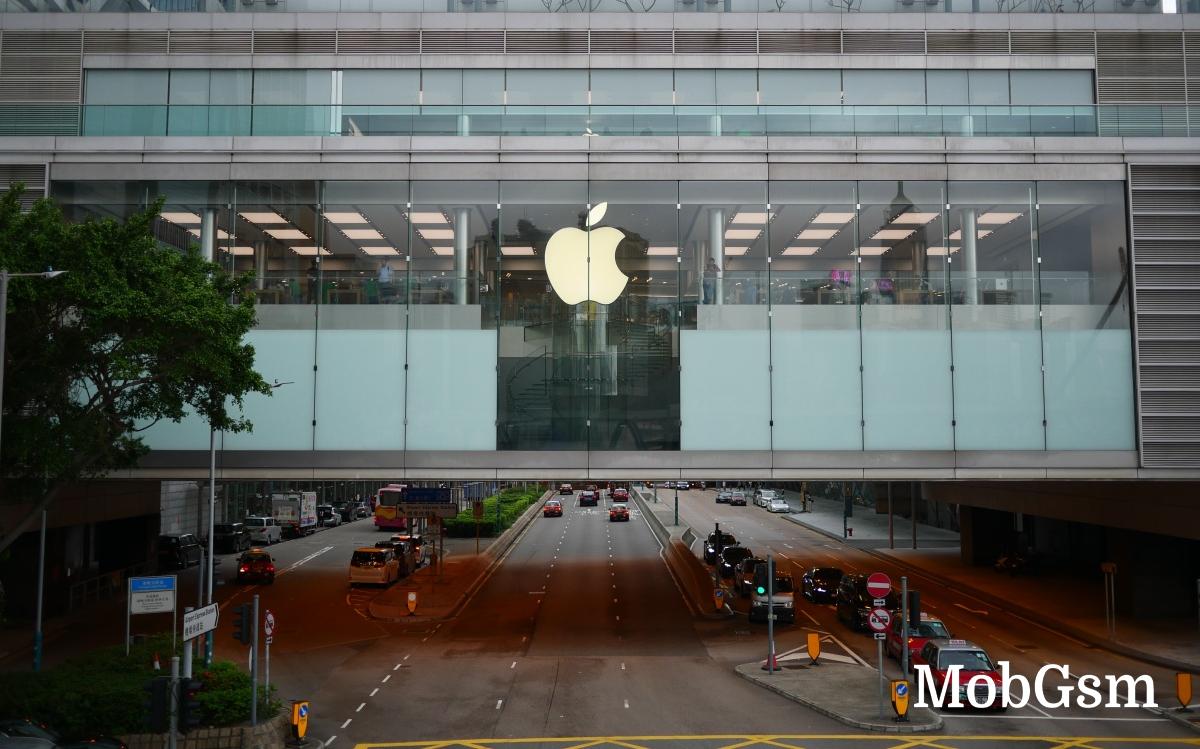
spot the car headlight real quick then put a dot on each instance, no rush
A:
(787, 604)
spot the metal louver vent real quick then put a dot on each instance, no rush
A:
(1139, 67)
(372, 42)
(1167, 251)
(1140, 90)
(295, 42)
(40, 66)
(1169, 326)
(1053, 43)
(716, 42)
(1167, 301)
(1169, 352)
(1165, 455)
(632, 42)
(1167, 404)
(210, 42)
(968, 42)
(462, 42)
(1174, 378)
(32, 175)
(557, 41)
(125, 42)
(1165, 201)
(1168, 43)
(43, 42)
(40, 119)
(1169, 277)
(1150, 177)
(1172, 428)
(1167, 226)
(883, 42)
(799, 42)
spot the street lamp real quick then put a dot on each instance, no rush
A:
(37, 627)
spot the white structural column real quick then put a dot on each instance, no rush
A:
(716, 249)
(208, 234)
(969, 257)
(260, 265)
(462, 230)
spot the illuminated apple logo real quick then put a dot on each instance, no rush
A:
(583, 264)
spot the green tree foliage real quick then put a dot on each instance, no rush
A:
(133, 333)
(510, 503)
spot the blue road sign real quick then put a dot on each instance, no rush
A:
(901, 689)
(151, 584)
(426, 495)
(304, 711)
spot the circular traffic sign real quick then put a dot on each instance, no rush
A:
(879, 585)
(901, 689)
(879, 619)
(269, 624)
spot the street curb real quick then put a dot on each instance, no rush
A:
(1176, 717)
(669, 549)
(1009, 606)
(853, 722)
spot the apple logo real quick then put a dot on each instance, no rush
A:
(583, 264)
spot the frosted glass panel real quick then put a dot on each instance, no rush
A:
(1089, 389)
(873, 87)
(907, 402)
(452, 390)
(997, 378)
(282, 421)
(817, 403)
(723, 390)
(189, 434)
(360, 390)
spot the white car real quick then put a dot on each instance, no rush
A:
(374, 565)
(778, 505)
(763, 497)
(263, 530)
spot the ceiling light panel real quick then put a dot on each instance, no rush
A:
(221, 233)
(265, 218)
(914, 219)
(801, 251)
(817, 234)
(442, 251)
(742, 233)
(239, 250)
(345, 218)
(436, 233)
(736, 251)
(884, 234)
(662, 251)
(995, 219)
(942, 251)
(287, 234)
(362, 234)
(180, 217)
(979, 233)
(872, 251)
(749, 217)
(380, 251)
(427, 217)
(516, 251)
(832, 218)
(311, 251)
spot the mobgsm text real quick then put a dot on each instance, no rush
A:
(1005, 689)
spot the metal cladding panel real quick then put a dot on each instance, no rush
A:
(125, 42)
(1165, 220)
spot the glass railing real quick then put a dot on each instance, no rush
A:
(780, 121)
(592, 6)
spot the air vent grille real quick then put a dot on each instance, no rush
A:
(1166, 301)
(1140, 90)
(1172, 428)
(1053, 43)
(40, 66)
(1144, 43)
(799, 42)
(1166, 201)
(716, 42)
(559, 42)
(462, 42)
(295, 42)
(1171, 378)
(125, 42)
(968, 42)
(42, 42)
(1169, 404)
(372, 42)
(883, 42)
(1162, 455)
(1167, 251)
(210, 42)
(632, 42)
(40, 119)
(1169, 277)
(1174, 327)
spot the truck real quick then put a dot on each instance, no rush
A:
(295, 512)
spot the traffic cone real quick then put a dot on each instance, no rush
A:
(157, 664)
(770, 663)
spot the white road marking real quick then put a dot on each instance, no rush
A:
(406, 657)
(626, 704)
(499, 704)
(614, 600)
(514, 664)
(810, 617)
(385, 679)
(618, 617)
(374, 692)
(1053, 717)
(331, 739)
(524, 638)
(305, 560)
(348, 722)
(788, 546)
(1040, 710)
(360, 707)
(396, 667)
(981, 612)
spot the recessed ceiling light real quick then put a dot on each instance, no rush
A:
(516, 251)
(672, 251)
(892, 233)
(221, 233)
(311, 251)
(427, 217)
(833, 217)
(742, 233)
(240, 250)
(379, 251)
(916, 219)
(940, 250)
(817, 234)
(362, 234)
(345, 217)
(749, 217)
(287, 233)
(979, 233)
(997, 218)
(736, 250)
(442, 251)
(180, 217)
(801, 250)
(263, 217)
(872, 251)
(436, 233)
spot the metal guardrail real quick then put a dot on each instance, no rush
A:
(104, 586)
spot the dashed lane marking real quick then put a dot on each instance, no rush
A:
(305, 560)
(348, 722)
(331, 739)
(406, 657)
(385, 679)
(514, 664)
(396, 667)
(374, 692)
(360, 707)
(626, 704)
(499, 704)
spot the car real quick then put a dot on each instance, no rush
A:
(929, 628)
(778, 505)
(618, 511)
(27, 734)
(589, 498)
(820, 584)
(683, 485)
(854, 604)
(731, 557)
(177, 551)
(328, 517)
(361, 511)
(724, 496)
(620, 494)
(404, 550)
(743, 581)
(414, 555)
(697, 484)
(255, 566)
(263, 530)
(781, 600)
(592, 488)
(552, 509)
(230, 538)
(737, 499)
(565, 489)
(763, 496)
(941, 654)
(345, 511)
(714, 543)
(373, 565)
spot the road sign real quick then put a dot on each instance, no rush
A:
(477, 509)
(269, 623)
(299, 718)
(879, 620)
(880, 636)
(879, 602)
(414, 495)
(879, 585)
(152, 595)
(426, 510)
(196, 623)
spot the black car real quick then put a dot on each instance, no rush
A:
(724, 496)
(33, 729)
(820, 584)
(714, 544)
(743, 581)
(854, 603)
(177, 551)
(346, 511)
(255, 565)
(589, 498)
(731, 557)
(230, 538)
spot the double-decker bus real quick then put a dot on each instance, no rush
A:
(386, 500)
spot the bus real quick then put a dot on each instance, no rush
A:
(386, 500)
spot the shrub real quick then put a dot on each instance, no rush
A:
(511, 503)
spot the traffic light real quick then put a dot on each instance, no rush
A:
(189, 706)
(243, 630)
(914, 608)
(158, 704)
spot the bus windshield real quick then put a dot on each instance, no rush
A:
(389, 496)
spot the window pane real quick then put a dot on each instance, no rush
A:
(695, 87)
(483, 87)
(382, 87)
(125, 87)
(800, 86)
(946, 87)
(631, 87)
(988, 86)
(561, 87)
(441, 86)
(292, 87)
(884, 87)
(1052, 87)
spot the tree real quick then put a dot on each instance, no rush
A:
(133, 333)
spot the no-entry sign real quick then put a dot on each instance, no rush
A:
(879, 585)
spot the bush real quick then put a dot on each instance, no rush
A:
(225, 699)
(511, 503)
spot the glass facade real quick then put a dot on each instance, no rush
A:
(734, 316)
(592, 6)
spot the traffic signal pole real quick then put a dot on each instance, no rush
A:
(187, 650)
(253, 665)
(173, 722)
(771, 614)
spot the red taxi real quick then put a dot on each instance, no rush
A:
(929, 628)
(255, 565)
(618, 512)
(620, 494)
(972, 660)
(552, 509)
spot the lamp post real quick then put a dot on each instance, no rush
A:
(676, 503)
(37, 627)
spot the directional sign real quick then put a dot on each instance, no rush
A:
(196, 623)
(423, 510)
(879, 585)
(426, 495)
(879, 620)
(269, 623)
(152, 595)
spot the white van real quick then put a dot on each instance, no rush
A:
(763, 497)
(263, 530)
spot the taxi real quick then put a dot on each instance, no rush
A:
(618, 512)
(255, 565)
(928, 629)
(620, 494)
(552, 509)
(940, 655)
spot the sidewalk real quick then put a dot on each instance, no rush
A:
(1069, 603)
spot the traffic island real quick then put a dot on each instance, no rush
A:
(848, 693)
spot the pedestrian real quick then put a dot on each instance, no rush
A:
(386, 293)
(710, 281)
(314, 276)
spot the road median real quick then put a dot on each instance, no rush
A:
(694, 580)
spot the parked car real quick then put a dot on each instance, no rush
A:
(378, 566)
(25, 728)
(263, 530)
(618, 512)
(417, 546)
(731, 557)
(552, 509)
(941, 655)
(361, 511)
(255, 566)
(778, 505)
(697, 484)
(230, 538)
(763, 496)
(743, 581)
(589, 498)
(737, 499)
(328, 517)
(820, 584)
(345, 511)
(714, 543)
(177, 551)
(929, 628)
(854, 603)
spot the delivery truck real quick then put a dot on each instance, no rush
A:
(295, 512)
